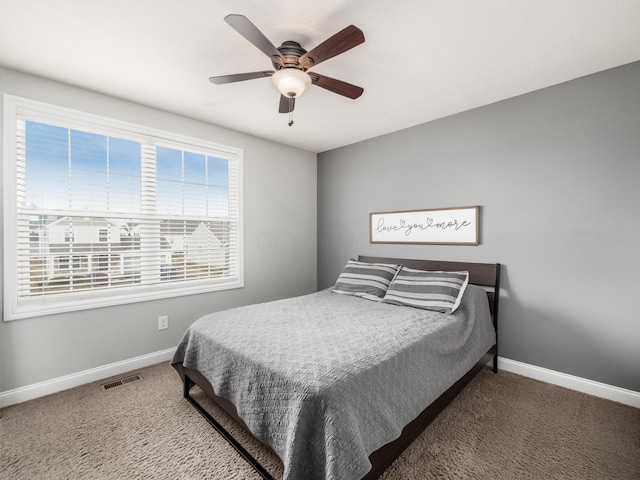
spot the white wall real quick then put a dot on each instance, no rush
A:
(557, 175)
(280, 250)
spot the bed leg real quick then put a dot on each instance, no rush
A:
(186, 386)
(495, 363)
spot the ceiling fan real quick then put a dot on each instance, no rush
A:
(291, 63)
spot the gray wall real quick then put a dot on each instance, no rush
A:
(280, 251)
(557, 175)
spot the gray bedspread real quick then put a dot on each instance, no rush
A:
(326, 379)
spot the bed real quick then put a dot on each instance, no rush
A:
(338, 383)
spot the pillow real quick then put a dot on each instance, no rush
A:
(437, 291)
(366, 280)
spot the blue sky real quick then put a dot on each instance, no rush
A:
(71, 169)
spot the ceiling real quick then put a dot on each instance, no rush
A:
(422, 59)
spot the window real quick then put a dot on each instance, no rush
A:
(68, 235)
(76, 263)
(100, 212)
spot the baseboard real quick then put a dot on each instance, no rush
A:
(22, 394)
(602, 390)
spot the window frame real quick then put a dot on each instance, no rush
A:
(16, 107)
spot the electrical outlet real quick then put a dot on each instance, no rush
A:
(163, 322)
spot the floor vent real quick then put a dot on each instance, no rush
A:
(122, 381)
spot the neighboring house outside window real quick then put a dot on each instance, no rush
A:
(115, 211)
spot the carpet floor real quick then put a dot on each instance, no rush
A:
(501, 427)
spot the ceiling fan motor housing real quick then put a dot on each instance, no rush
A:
(291, 52)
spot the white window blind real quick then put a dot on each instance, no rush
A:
(100, 212)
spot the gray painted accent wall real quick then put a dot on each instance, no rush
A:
(279, 250)
(557, 175)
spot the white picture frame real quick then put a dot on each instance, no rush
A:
(444, 226)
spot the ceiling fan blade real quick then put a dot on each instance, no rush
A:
(239, 77)
(336, 86)
(287, 104)
(342, 41)
(248, 30)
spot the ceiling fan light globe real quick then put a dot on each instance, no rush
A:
(291, 82)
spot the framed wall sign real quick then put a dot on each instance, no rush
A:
(446, 226)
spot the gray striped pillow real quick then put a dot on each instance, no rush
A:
(366, 280)
(437, 291)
